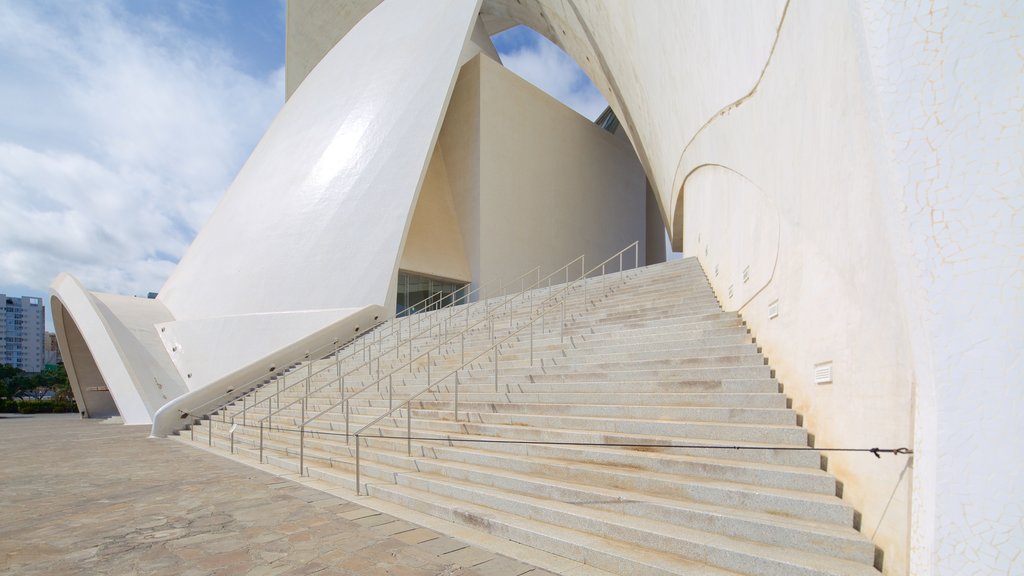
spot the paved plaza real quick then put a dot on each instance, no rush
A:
(84, 497)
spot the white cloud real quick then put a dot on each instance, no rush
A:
(549, 68)
(117, 137)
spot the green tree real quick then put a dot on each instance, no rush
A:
(60, 385)
(12, 380)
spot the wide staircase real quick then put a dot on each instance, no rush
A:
(621, 420)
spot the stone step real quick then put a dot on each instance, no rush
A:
(765, 491)
(646, 434)
(840, 542)
(719, 551)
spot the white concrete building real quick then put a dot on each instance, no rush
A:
(848, 173)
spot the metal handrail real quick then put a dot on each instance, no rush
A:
(495, 347)
(506, 303)
(367, 362)
(308, 357)
(461, 334)
(233, 394)
(487, 316)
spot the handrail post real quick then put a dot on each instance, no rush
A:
(583, 278)
(337, 364)
(463, 337)
(457, 395)
(309, 372)
(496, 368)
(531, 342)
(261, 442)
(408, 427)
(390, 391)
(232, 434)
(347, 404)
(561, 328)
(244, 404)
(358, 490)
(209, 429)
(302, 432)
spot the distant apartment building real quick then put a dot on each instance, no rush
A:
(51, 350)
(21, 332)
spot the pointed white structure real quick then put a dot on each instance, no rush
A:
(849, 176)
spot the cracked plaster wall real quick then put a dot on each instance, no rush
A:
(950, 88)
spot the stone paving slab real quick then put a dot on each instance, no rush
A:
(81, 497)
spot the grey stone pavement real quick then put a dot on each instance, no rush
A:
(85, 497)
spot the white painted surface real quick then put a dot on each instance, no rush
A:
(888, 138)
(114, 328)
(808, 146)
(291, 248)
(320, 209)
(950, 93)
(208, 349)
(182, 410)
(534, 183)
(312, 29)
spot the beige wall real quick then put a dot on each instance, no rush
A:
(434, 245)
(522, 181)
(553, 184)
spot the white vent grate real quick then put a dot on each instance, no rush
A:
(823, 373)
(746, 274)
(730, 290)
(773, 310)
(716, 270)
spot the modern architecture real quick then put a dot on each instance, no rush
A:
(847, 174)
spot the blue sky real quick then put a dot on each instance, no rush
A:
(125, 120)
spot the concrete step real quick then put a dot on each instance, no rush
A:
(817, 537)
(717, 550)
(765, 490)
(645, 435)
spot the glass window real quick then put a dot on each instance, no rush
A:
(420, 293)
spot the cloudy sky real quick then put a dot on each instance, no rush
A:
(123, 121)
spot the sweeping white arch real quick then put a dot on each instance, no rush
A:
(865, 128)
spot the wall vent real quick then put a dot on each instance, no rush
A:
(823, 373)
(716, 270)
(746, 274)
(773, 310)
(730, 290)
(705, 251)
